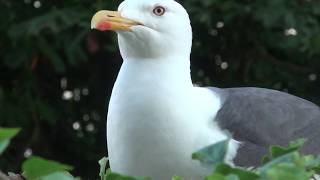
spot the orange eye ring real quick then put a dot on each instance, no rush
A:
(159, 10)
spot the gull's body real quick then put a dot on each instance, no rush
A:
(157, 118)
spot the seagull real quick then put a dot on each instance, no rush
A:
(157, 118)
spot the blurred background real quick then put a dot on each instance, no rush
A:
(56, 75)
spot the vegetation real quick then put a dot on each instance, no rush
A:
(280, 164)
(56, 75)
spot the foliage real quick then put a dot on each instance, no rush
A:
(5, 137)
(272, 44)
(268, 44)
(213, 154)
(38, 48)
(36, 168)
(103, 168)
(282, 164)
(106, 174)
(39, 168)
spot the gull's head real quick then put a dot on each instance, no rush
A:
(148, 28)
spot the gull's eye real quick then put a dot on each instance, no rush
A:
(159, 10)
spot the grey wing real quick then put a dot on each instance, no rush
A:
(262, 117)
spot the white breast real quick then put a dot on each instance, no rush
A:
(154, 125)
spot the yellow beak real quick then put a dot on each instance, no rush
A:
(111, 20)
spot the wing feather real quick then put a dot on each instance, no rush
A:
(262, 117)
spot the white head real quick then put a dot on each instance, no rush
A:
(148, 28)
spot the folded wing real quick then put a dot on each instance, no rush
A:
(260, 117)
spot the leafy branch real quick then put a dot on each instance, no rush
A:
(282, 163)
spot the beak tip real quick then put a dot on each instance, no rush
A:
(111, 20)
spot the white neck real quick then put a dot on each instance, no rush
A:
(172, 72)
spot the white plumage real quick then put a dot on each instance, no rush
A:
(156, 118)
(155, 122)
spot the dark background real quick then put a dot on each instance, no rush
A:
(56, 75)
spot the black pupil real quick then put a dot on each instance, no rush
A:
(159, 10)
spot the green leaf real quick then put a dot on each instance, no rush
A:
(287, 171)
(177, 178)
(36, 167)
(265, 159)
(59, 176)
(115, 176)
(287, 158)
(313, 163)
(8, 133)
(242, 174)
(212, 154)
(232, 177)
(3, 145)
(277, 151)
(297, 143)
(215, 176)
(103, 165)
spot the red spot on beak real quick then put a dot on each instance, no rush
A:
(104, 26)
